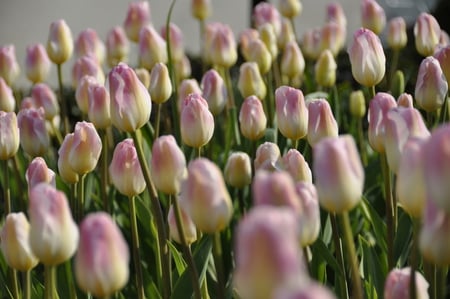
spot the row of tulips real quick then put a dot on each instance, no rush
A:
(222, 202)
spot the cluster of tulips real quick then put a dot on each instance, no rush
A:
(210, 193)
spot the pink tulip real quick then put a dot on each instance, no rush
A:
(86, 66)
(34, 137)
(37, 63)
(9, 68)
(304, 290)
(117, 46)
(295, 164)
(309, 216)
(186, 87)
(60, 42)
(214, 91)
(268, 157)
(245, 38)
(335, 13)
(250, 81)
(7, 100)
(321, 122)
(378, 109)
(292, 60)
(86, 148)
(9, 132)
(332, 38)
(267, 13)
(176, 40)
(238, 170)
(138, 16)
(82, 92)
(292, 114)
(398, 281)
(38, 172)
(43, 96)
(88, 43)
(426, 34)
(443, 56)
(286, 34)
(189, 229)
(405, 100)
(260, 54)
(221, 47)
(201, 9)
(65, 170)
(373, 16)
(397, 37)
(268, 37)
(99, 105)
(160, 85)
(311, 41)
(252, 119)
(152, 47)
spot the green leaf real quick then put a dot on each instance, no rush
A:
(374, 267)
(403, 237)
(180, 264)
(378, 225)
(320, 251)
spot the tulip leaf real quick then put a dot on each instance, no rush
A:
(378, 225)
(374, 268)
(403, 237)
(180, 264)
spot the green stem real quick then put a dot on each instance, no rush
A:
(372, 92)
(270, 100)
(158, 119)
(136, 247)
(62, 102)
(357, 292)
(27, 284)
(80, 213)
(291, 20)
(339, 255)
(430, 275)
(157, 213)
(14, 283)
(231, 106)
(307, 255)
(276, 72)
(394, 65)
(441, 276)
(444, 111)
(390, 215)
(198, 152)
(205, 294)
(6, 188)
(70, 280)
(104, 171)
(50, 291)
(218, 262)
(362, 146)
(337, 109)
(413, 260)
(294, 143)
(57, 132)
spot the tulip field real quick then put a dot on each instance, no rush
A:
(271, 165)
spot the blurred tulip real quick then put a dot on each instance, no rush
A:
(373, 16)
(378, 108)
(335, 13)
(268, 37)
(7, 100)
(117, 46)
(10, 137)
(292, 61)
(304, 290)
(125, 170)
(444, 39)
(290, 8)
(138, 16)
(182, 68)
(143, 76)
(187, 86)
(426, 34)
(295, 164)
(205, 197)
(443, 56)
(321, 122)
(34, 137)
(152, 47)
(261, 55)
(286, 34)
(160, 87)
(82, 92)
(201, 9)
(9, 67)
(222, 46)
(338, 172)
(325, 69)
(15, 242)
(54, 234)
(214, 91)
(309, 216)
(60, 42)
(101, 264)
(99, 106)
(397, 285)
(405, 100)
(43, 96)
(311, 43)
(397, 37)
(245, 38)
(265, 12)
(38, 172)
(66, 172)
(250, 81)
(88, 43)
(252, 119)
(86, 65)
(332, 38)
(37, 63)
(238, 170)
(357, 104)
(267, 157)
(176, 40)
(130, 101)
(292, 114)
(189, 229)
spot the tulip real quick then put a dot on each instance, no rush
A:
(99, 106)
(405, 100)
(205, 197)
(15, 244)
(89, 44)
(37, 63)
(321, 122)
(367, 58)
(261, 55)
(308, 290)
(267, 252)
(267, 157)
(201, 9)
(252, 119)
(238, 170)
(125, 170)
(117, 46)
(196, 121)
(245, 38)
(292, 114)
(86, 148)
(152, 47)
(339, 175)
(102, 260)
(9, 68)
(431, 85)
(143, 76)
(268, 37)
(187, 86)
(311, 43)
(378, 108)
(443, 56)
(130, 100)
(397, 37)
(9, 135)
(332, 38)
(267, 13)
(86, 65)
(309, 216)
(286, 34)
(357, 104)
(168, 165)
(250, 81)
(175, 39)
(82, 92)
(214, 91)
(295, 164)
(7, 100)
(38, 172)
(60, 42)
(444, 39)
(43, 96)
(160, 86)
(138, 16)
(290, 8)
(65, 170)
(53, 234)
(426, 34)
(34, 137)
(222, 46)
(373, 16)
(397, 284)
(292, 61)
(335, 13)
(189, 229)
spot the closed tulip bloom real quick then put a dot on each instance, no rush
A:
(88, 43)
(168, 165)
(38, 172)
(378, 108)
(9, 135)
(309, 216)
(9, 67)
(7, 100)
(245, 38)
(431, 85)
(292, 60)
(286, 34)
(102, 260)
(405, 100)
(222, 47)
(60, 42)
(426, 34)
(196, 121)
(321, 122)
(99, 106)
(250, 81)
(214, 91)
(86, 66)
(332, 38)
(54, 234)
(261, 55)
(311, 43)
(238, 170)
(335, 13)
(86, 148)
(43, 96)
(138, 16)
(186, 87)
(37, 63)
(117, 46)
(125, 170)
(66, 172)
(160, 87)
(176, 40)
(267, 157)
(205, 197)
(325, 69)
(295, 164)
(338, 172)
(397, 37)
(292, 114)
(152, 47)
(143, 76)
(34, 137)
(308, 290)
(398, 281)
(367, 58)
(290, 8)
(201, 9)
(15, 245)
(130, 101)
(267, 252)
(82, 92)
(443, 56)
(357, 104)
(252, 119)
(265, 12)
(189, 229)
(373, 16)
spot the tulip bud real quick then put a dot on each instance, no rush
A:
(38, 172)
(398, 83)
(7, 100)
(222, 47)
(152, 47)
(82, 92)
(34, 137)
(201, 9)
(378, 108)
(426, 34)
(205, 197)
(261, 55)
(238, 170)
(311, 43)
(125, 170)
(196, 121)
(367, 58)
(267, 157)
(309, 217)
(214, 91)
(373, 16)
(86, 148)
(335, 13)
(286, 34)
(268, 37)
(250, 81)
(187, 86)
(397, 285)
(14, 243)
(9, 132)
(130, 101)
(290, 8)
(160, 86)
(86, 66)
(338, 171)
(99, 106)
(431, 85)
(37, 63)
(325, 69)
(332, 38)
(443, 56)
(65, 170)
(117, 46)
(321, 122)
(168, 165)
(252, 119)
(182, 68)
(138, 16)
(245, 38)
(267, 252)
(60, 42)
(175, 40)
(292, 114)
(102, 260)
(143, 76)
(189, 229)
(89, 44)
(265, 12)
(405, 100)
(292, 61)
(9, 68)
(294, 163)
(357, 104)
(53, 234)
(397, 37)
(43, 96)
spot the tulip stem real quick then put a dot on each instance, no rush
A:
(158, 119)
(276, 72)
(337, 109)
(413, 260)
(218, 262)
(136, 247)
(27, 285)
(14, 283)
(362, 147)
(444, 111)
(394, 64)
(104, 171)
(357, 292)
(269, 99)
(294, 143)
(390, 206)
(157, 213)
(231, 106)
(372, 92)
(187, 251)
(339, 255)
(441, 276)
(62, 103)
(50, 291)
(6, 189)
(80, 212)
